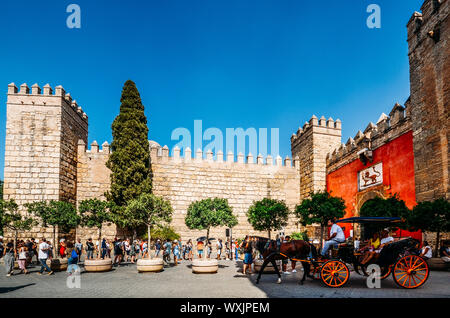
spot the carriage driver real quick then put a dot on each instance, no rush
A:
(336, 236)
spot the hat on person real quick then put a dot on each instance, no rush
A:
(175, 241)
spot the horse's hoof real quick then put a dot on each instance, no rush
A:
(279, 281)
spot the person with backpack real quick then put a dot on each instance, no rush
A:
(118, 252)
(72, 254)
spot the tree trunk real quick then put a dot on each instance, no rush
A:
(269, 234)
(16, 234)
(206, 245)
(437, 244)
(99, 242)
(55, 248)
(148, 242)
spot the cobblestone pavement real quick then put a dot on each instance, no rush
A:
(179, 281)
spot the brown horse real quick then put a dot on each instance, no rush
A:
(293, 249)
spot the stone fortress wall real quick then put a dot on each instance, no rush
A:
(183, 180)
(429, 60)
(42, 132)
(46, 136)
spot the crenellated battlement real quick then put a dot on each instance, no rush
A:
(160, 154)
(318, 125)
(105, 149)
(374, 136)
(44, 97)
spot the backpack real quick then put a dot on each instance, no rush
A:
(74, 254)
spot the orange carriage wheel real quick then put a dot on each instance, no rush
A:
(410, 272)
(387, 273)
(334, 274)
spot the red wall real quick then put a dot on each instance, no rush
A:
(397, 157)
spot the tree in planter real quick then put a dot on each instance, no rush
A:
(129, 161)
(209, 213)
(268, 215)
(149, 210)
(94, 213)
(319, 209)
(13, 220)
(58, 214)
(390, 207)
(431, 216)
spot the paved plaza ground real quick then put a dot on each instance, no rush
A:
(180, 282)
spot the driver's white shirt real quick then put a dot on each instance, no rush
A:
(340, 237)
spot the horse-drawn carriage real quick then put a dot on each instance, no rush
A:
(399, 258)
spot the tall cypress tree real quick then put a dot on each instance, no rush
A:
(130, 159)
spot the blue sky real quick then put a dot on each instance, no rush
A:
(230, 63)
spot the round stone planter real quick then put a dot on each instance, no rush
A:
(437, 264)
(150, 265)
(57, 264)
(210, 266)
(98, 265)
(268, 269)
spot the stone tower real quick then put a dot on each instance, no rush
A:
(429, 58)
(310, 145)
(42, 133)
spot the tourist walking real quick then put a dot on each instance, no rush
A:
(157, 247)
(62, 248)
(167, 249)
(219, 249)
(191, 250)
(9, 256)
(176, 252)
(79, 249)
(104, 248)
(89, 249)
(118, 251)
(248, 260)
(43, 254)
(200, 246)
(23, 251)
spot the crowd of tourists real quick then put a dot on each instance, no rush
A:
(41, 252)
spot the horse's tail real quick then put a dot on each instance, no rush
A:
(313, 251)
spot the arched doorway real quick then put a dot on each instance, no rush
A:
(361, 199)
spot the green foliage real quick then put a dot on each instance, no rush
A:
(390, 207)
(268, 215)
(12, 219)
(300, 236)
(94, 213)
(147, 209)
(208, 213)
(431, 216)
(129, 161)
(319, 209)
(55, 213)
(162, 233)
